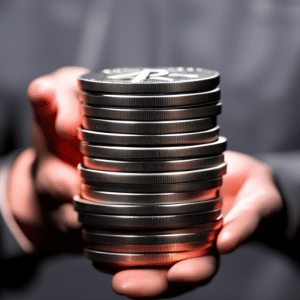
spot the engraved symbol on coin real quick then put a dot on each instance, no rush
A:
(138, 76)
(151, 74)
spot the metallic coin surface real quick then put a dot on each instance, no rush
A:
(151, 100)
(147, 222)
(204, 232)
(92, 194)
(176, 247)
(150, 114)
(148, 127)
(119, 139)
(149, 80)
(91, 175)
(145, 259)
(104, 207)
(152, 165)
(142, 153)
(191, 186)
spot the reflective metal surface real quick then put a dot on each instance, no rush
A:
(181, 187)
(152, 165)
(121, 139)
(150, 80)
(145, 259)
(148, 127)
(90, 175)
(147, 222)
(161, 237)
(139, 153)
(150, 114)
(160, 248)
(152, 100)
(94, 194)
(105, 207)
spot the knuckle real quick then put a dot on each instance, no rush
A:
(38, 88)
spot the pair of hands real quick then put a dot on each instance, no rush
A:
(44, 180)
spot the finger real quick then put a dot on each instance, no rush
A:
(243, 219)
(181, 277)
(66, 218)
(236, 175)
(194, 271)
(54, 97)
(237, 230)
(57, 179)
(69, 117)
(41, 94)
(142, 283)
(258, 199)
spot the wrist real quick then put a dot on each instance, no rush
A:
(21, 201)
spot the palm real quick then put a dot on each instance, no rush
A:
(246, 191)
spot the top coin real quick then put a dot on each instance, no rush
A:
(150, 80)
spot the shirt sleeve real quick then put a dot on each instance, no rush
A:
(287, 173)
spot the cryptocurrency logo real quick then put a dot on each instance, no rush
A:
(151, 74)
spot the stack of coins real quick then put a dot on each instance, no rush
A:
(152, 166)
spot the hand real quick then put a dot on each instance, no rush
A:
(44, 177)
(250, 198)
(41, 200)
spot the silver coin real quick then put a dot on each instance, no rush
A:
(181, 187)
(147, 222)
(204, 232)
(115, 259)
(111, 208)
(203, 239)
(152, 165)
(150, 100)
(148, 127)
(89, 193)
(176, 247)
(91, 175)
(108, 138)
(150, 114)
(142, 153)
(150, 80)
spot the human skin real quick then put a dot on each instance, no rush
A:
(44, 179)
